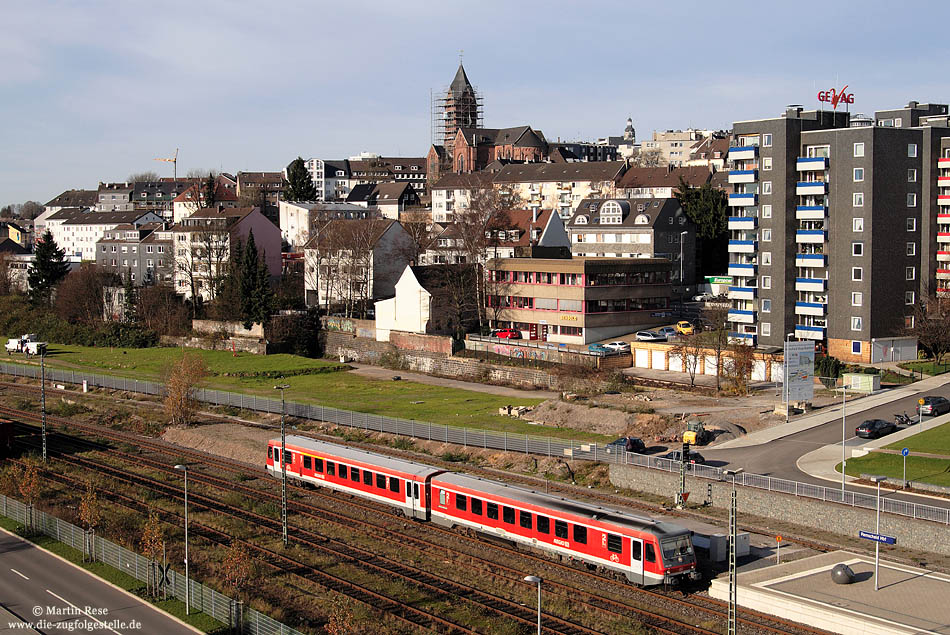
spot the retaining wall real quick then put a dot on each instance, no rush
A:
(243, 345)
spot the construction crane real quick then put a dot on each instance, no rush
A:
(173, 160)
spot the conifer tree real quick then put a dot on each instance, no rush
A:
(131, 299)
(48, 270)
(300, 185)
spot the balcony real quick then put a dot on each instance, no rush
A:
(741, 338)
(744, 222)
(750, 246)
(943, 163)
(810, 236)
(941, 200)
(744, 200)
(811, 284)
(811, 188)
(943, 274)
(743, 153)
(743, 176)
(810, 308)
(811, 260)
(742, 293)
(943, 181)
(811, 164)
(741, 317)
(943, 237)
(943, 256)
(811, 212)
(943, 218)
(744, 270)
(809, 332)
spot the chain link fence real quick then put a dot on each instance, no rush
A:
(486, 439)
(203, 598)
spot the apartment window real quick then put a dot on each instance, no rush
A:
(910, 273)
(857, 274)
(857, 298)
(912, 150)
(858, 199)
(857, 249)
(766, 328)
(766, 163)
(911, 224)
(766, 282)
(857, 224)
(909, 297)
(767, 140)
(859, 149)
(911, 200)
(911, 249)
(858, 175)
(766, 211)
(767, 187)
(855, 347)
(911, 176)
(766, 305)
(766, 257)
(855, 323)
(766, 235)
(908, 321)
(897, 122)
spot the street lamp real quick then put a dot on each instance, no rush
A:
(785, 364)
(877, 545)
(844, 407)
(283, 463)
(43, 395)
(733, 537)
(682, 237)
(184, 468)
(533, 579)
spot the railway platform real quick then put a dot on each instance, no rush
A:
(909, 599)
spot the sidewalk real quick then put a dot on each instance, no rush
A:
(832, 413)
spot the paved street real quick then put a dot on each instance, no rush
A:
(35, 585)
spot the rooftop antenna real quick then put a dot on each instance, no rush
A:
(173, 160)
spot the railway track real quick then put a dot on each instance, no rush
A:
(708, 607)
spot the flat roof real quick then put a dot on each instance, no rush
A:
(363, 457)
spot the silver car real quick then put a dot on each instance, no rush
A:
(650, 336)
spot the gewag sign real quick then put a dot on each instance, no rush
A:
(800, 370)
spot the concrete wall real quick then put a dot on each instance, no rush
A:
(239, 344)
(839, 519)
(440, 344)
(213, 327)
(356, 328)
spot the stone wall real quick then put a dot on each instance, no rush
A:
(236, 329)
(839, 519)
(239, 344)
(415, 342)
(359, 328)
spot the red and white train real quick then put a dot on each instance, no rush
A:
(644, 550)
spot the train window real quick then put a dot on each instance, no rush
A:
(508, 515)
(343, 473)
(415, 491)
(276, 454)
(476, 507)
(318, 465)
(461, 502)
(381, 481)
(614, 543)
(635, 546)
(331, 468)
(544, 525)
(580, 534)
(367, 477)
(355, 474)
(560, 529)
(651, 553)
(288, 457)
(409, 489)
(394, 485)
(492, 510)
(525, 520)
(307, 462)
(443, 497)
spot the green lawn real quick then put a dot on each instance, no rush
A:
(934, 441)
(928, 367)
(925, 470)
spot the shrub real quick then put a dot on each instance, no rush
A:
(393, 360)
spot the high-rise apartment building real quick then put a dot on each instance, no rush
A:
(834, 228)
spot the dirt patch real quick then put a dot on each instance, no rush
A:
(230, 440)
(619, 420)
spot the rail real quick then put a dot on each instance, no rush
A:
(485, 439)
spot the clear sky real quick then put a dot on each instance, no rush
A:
(93, 91)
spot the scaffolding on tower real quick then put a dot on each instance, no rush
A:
(458, 105)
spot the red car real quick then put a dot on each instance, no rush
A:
(509, 334)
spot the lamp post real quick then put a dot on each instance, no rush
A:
(877, 545)
(785, 364)
(184, 468)
(283, 463)
(682, 237)
(43, 395)
(733, 532)
(844, 406)
(533, 579)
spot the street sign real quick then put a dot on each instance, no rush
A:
(778, 539)
(921, 401)
(905, 452)
(800, 370)
(887, 540)
(685, 496)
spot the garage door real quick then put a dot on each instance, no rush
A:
(778, 373)
(659, 360)
(710, 368)
(676, 363)
(642, 358)
(758, 370)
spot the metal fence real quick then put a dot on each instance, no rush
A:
(203, 598)
(470, 437)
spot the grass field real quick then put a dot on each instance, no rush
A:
(924, 469)
(326, 385)
(928, 367)
(934, 441)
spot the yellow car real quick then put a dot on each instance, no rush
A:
(684, 328)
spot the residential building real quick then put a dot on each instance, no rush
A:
(15, 232)
(141, 252)
(389, 198)
(297, 219)
(72, 198)
(567, 151)
(77, 231)
(454, 191)
(474, 148)
(159, 196)
(559, 186)
(577, 300)
(660, 182)
(429, 300)
(372, 169)
(114, 197)
(264, 189)
(204, 242)
(330, 178)
(352, 263)
(194, 198)
(673, 146)
(19, 265)
(834, 229)
(10, 247)
(711, 152)
(636, 228)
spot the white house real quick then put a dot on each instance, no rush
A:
(428, 300)
(78, 231)
(297, 218)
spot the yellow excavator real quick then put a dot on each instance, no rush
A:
(696, 433)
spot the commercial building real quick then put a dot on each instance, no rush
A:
(577, 300)
(834, 229)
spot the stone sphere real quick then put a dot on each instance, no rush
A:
(842, 574)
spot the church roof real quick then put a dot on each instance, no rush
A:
(460, 83)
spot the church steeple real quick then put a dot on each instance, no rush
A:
(461, 84)
(460, 107)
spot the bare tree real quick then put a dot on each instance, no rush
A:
(152, 542)
(717, 337)
(79, 298)
(203, 258)
(143, 177)
(182, 380)
(6, 277)
(198, 173)
(649, 158)
(26, 475)
(689, 349)
(161, 310)
(419, 226)
(931, 325)
(738, 367)
(237, 567)
(90, 514)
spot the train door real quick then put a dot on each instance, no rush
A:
(410, 501)
(636, 561)
(427, 499)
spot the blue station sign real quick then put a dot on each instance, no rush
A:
(887, 540)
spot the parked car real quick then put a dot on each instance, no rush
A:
(620, 347)
(675, 455)
(600, 348)
(874, 428)
(684, 327)
(702, 324)
(703, 297)
(510, 334)
(650, 336)
(627, 444)
(934, 405)
(667, 331)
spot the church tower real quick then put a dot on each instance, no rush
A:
(459, 106)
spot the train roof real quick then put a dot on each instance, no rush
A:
(577, 508)
(362, 456)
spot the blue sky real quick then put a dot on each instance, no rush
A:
(93, 91)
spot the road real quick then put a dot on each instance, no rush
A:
(35, 585)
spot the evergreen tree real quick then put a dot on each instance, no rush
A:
(708, 208)
(264, 302)
(49, 268)
(131, 299)
(209, 191)
(300, 183)
(248, 281)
